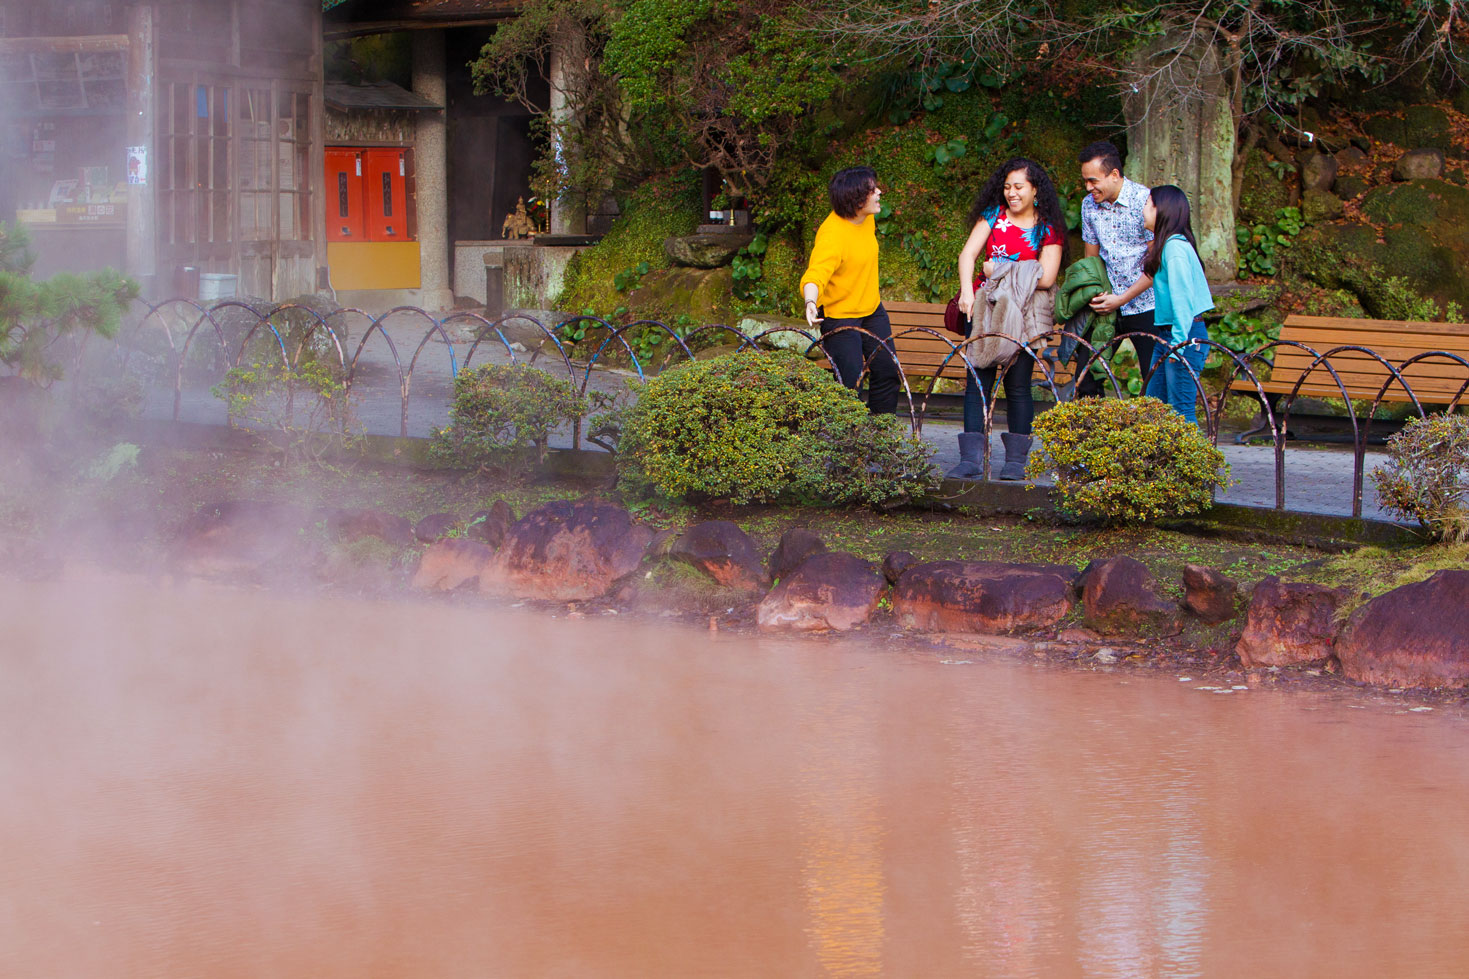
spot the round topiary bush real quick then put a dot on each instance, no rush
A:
(1426, 475)
(758, 427)
(1126, 461)
(502, 417)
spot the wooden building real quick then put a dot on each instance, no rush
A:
(171, 138)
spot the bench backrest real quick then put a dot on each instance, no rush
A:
(1436, 380)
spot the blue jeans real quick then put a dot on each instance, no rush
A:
(1172, 382)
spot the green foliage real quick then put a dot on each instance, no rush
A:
(1426, 476)
(1393, 297)
(304, 409)
(1126, 461)
(1242, 333)
(660, 208)
(38, 318)
(123, 455)
(1260, 246)
(502, 417)
(762, 427)
(629, 278)
(748, 271)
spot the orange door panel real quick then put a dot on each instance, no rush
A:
(345, 203)
(384, 175)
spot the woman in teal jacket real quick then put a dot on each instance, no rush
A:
(1182, 294)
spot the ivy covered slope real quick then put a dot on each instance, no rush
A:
(930, 162)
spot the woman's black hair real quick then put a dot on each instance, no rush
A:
(1047, 203)
(850, 189)
(1171, 203)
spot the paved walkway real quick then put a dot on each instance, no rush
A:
(1318, 476)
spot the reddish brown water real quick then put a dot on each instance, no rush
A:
(205, 782)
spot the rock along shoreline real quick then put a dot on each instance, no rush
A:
(596, 553)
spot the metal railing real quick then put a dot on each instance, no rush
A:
(181, 321)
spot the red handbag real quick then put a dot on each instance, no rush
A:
(955, 321)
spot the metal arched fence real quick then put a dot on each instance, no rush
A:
(180, 321)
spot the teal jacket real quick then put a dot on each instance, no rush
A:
(1180, 288)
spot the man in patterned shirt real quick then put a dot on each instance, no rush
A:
(1112, 227)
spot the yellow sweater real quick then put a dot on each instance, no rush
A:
(844, 267)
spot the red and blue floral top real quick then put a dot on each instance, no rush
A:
(1012, 243)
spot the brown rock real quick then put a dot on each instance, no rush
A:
(1318, 171)
(490, 525)
(451, 563)
(895, 564)
(237, 536)
(566, 551)
(352, 525)
(434, 526)
(1288, 623)
(983, 596)
(1208, 594)
(722, 551)
(1424, 164)
(1350, 156)
(1413, 636)
(1118, 597)
(796, 545)
(831, 590)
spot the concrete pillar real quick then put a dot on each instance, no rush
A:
(1187, 139)
(568, 212)
(431, 163)
(142, 228)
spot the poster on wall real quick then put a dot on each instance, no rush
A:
(138, 165)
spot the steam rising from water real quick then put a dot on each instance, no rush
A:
(207, 781)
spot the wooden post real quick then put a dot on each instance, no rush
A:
(142, 224)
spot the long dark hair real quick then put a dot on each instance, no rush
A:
(1171, 203)
(1047, 203)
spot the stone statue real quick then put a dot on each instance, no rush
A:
(517, 224)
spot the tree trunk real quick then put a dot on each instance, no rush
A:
(1187, 138)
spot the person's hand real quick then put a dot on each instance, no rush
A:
(1106, 303)
(813, 314)
(966, 302)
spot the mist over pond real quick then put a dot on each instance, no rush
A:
(213, 781)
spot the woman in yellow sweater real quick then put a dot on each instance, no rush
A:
(840, 289)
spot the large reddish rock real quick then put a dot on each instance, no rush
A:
(796, 545)
(983, 596)
(896, 563)
(566, 551)
(1119, 597)
(833, 590)
(1413, 636)
(1289, 623)
(722, 551)
(1208, 594)
(450, 563)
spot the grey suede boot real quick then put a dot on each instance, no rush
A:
(971, 446)
(1017, 450)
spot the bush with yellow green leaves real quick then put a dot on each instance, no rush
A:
(1426, 475)
(761, 427)
(1126, 461)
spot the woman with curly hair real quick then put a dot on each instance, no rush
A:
(1016, 219)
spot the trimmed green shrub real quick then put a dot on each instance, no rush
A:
(1426, 475)
(759, 427)
(502, 417)
(1129, 461)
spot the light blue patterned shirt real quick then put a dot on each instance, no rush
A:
(1116, 227)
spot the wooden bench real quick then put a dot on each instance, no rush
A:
(1434, 381)
(922, 355)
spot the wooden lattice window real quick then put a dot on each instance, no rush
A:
(195, 193)
(275, 175)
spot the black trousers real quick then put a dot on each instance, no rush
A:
(1019, 402)
(849, 351)
(1091, 387)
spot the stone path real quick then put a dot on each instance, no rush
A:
(1318, 476)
